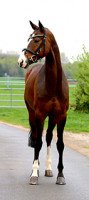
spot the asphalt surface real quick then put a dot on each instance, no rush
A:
(16, 163)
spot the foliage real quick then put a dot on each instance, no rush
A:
(70, 70)
(9, 65)
(82, 90)
(64, 58)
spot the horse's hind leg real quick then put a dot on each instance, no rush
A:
(37, 148)
(35, 141)
(49, 135)
(60, 148)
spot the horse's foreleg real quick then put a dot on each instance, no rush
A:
(48, 171)
(49, 135)
(60, 148)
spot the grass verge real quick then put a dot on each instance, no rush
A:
(76, 121)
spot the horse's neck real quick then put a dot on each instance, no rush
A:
(53, 71)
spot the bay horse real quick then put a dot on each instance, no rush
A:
(46, 95)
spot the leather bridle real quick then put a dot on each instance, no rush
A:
(35, 54)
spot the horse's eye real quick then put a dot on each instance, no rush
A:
(25, 53)
(36, 40)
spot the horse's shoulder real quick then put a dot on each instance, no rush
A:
(32, 71)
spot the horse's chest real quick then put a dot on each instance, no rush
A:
(53, 105)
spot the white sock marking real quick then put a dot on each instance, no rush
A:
(35, 168)
(48, 159)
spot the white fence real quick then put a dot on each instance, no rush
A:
(12, 92)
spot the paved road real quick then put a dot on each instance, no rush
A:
(15, 167)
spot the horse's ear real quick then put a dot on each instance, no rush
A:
(41, 27)
(34, 27)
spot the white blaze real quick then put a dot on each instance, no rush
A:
(22, 59)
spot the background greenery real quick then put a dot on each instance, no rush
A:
(9, 65)
(82, 77)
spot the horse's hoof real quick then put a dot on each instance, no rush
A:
(60, 179)
(33, 180)
(48, 173)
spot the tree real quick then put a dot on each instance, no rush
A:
(9, 65)
(64, 58)
(82, 90)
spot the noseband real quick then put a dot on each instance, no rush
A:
(35, 54)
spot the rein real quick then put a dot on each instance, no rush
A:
(35, 54)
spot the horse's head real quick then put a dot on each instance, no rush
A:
(37, 48)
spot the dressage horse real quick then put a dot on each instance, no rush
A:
(46, 95)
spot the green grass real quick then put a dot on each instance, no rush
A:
(76, 121)
(15, 116)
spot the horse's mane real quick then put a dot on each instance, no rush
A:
(55, 47)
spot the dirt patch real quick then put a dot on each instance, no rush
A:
(76, 141)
